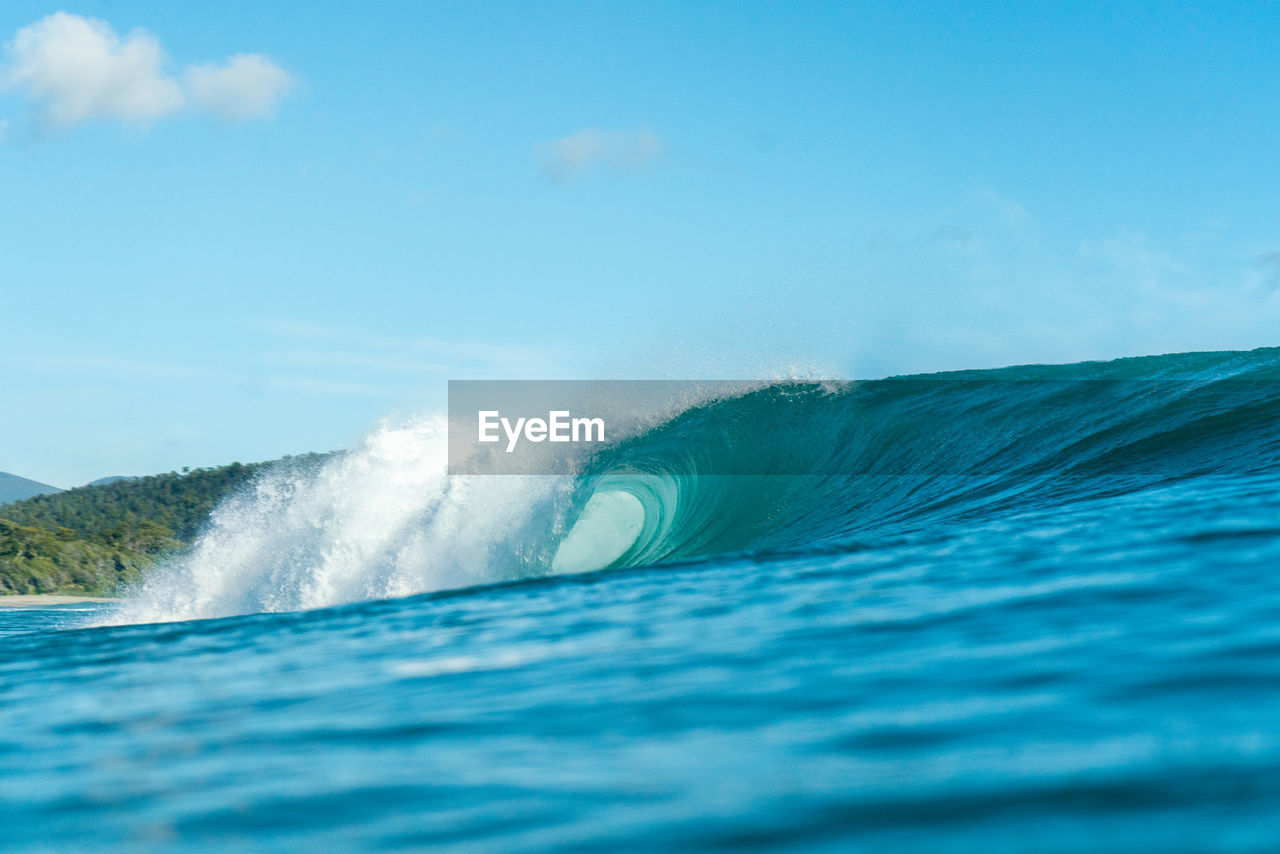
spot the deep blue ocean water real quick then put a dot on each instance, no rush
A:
(1091, 665)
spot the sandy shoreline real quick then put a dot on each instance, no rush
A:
(36, 601)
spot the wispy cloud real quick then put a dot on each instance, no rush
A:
(72, 69)
(306, 357)
(105, 365)
(569, 157)
(333, 349)
(981, 283)
(327, 388)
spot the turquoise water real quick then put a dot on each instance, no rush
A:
(1050, 620)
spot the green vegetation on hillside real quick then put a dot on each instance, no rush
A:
(33, 560)
(123, 510)
(90, 539)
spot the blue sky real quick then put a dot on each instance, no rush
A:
(207, 258)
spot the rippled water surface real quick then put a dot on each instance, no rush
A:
(1100, 675)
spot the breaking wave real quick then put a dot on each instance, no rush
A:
(786, 466)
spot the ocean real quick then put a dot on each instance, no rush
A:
(1032, 609)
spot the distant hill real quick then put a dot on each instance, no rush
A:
(14, 488)
(92, 538)
(103, 481)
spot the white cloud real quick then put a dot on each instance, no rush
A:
(570, 156)
(79, 69)
(73, 69)
(244, 87)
